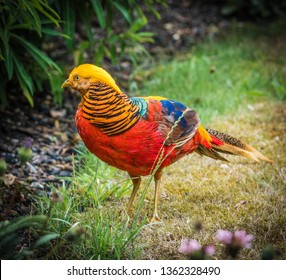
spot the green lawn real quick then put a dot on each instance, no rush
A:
(237, 85)
(216, 78)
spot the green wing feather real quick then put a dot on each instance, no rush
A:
(141, 103)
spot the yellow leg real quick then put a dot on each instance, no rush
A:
(136, 180)
(157, 177)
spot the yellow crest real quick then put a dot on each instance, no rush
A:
(96, 74)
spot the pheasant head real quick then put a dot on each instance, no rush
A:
(83, 76)
(102, 103)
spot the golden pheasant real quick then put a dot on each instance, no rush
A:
(142, 135)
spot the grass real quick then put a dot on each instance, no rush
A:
(83, 215)
(217, 77)
(236, 86)
(240, 195)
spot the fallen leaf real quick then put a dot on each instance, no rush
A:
(9, 179)
(76, 138)
(57, 124)
(58, 114)
(63, 136)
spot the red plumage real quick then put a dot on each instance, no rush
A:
(142, 135)
(135, 150)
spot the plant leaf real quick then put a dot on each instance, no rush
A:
(46, 239)
(7, 55)
(99, 53)
(88, 28)
(50, 31)
(123, 11)
(36, 53)
(20, 71)
(69, 22)
(25, 81)
(27, 221)
(47, 11)
(33, 16)
(138, 24)
(97, 7)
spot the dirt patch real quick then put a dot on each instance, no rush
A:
(52, 134)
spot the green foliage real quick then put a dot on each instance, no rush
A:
(112, 40)
(3, 166)
(9, 236)
(93, 174)
(74, 222)
(24, 154)
(270, 253)
(81, 214)
(26, 25)
(22, 26)
(112, 235)
(218, 77)
(279, 87)
(233, 83)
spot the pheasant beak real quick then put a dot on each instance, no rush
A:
(66, 83)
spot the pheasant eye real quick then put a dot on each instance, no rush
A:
(76, 78)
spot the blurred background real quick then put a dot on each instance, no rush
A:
(42, 40)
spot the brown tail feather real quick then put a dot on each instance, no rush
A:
(203, 151)
(232, 146)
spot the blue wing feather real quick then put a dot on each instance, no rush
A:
(173, 115)
(184, 120)
(175, 109)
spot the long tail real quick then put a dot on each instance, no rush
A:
(212, 143)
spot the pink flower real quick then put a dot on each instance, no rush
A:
(209, 250)
(234, 241)
(242, 239)
(224, 236)
(189, 246)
